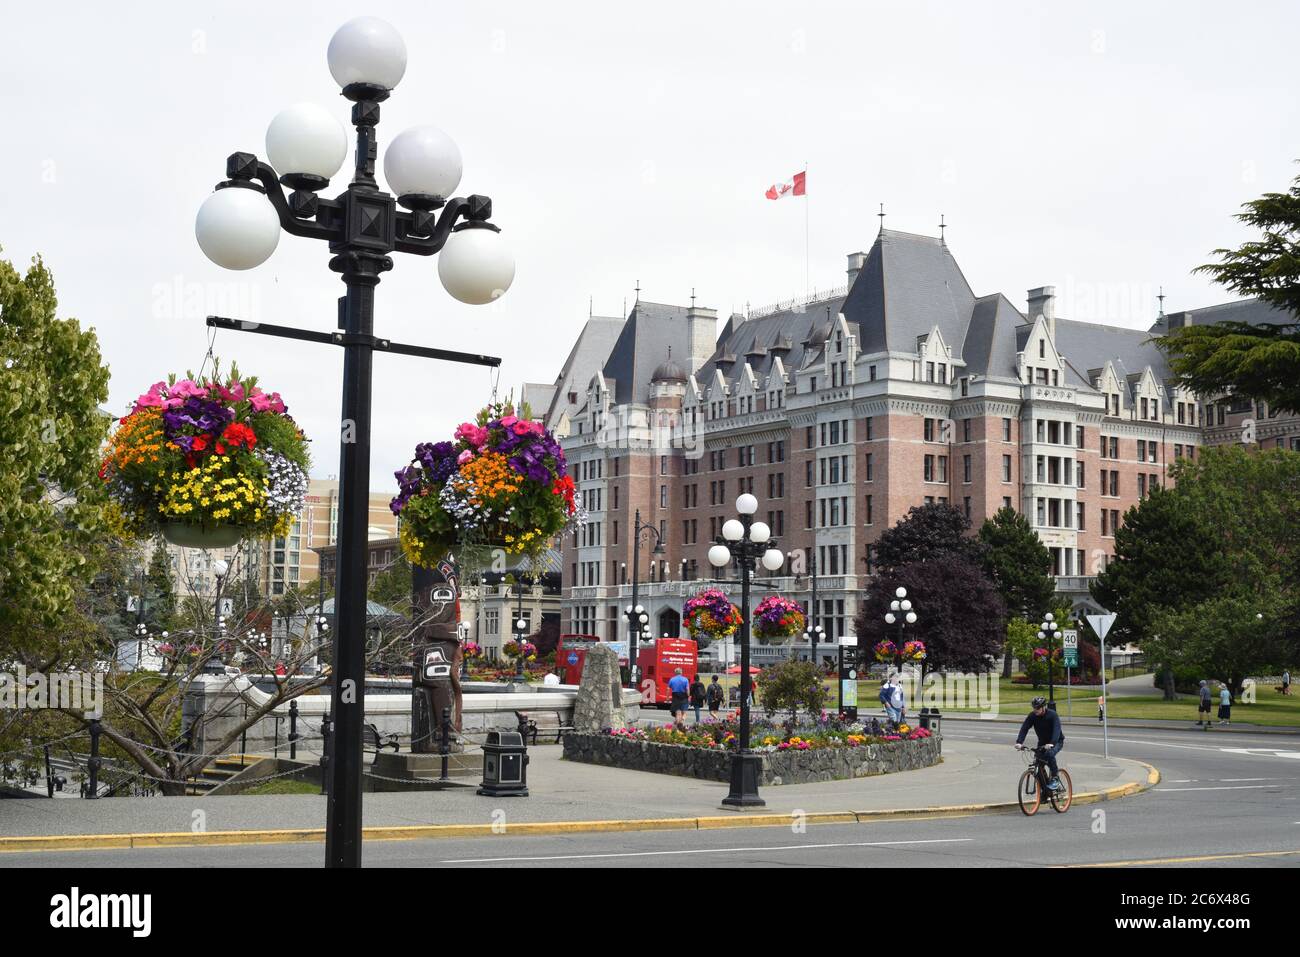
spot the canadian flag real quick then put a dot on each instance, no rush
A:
(795, 188)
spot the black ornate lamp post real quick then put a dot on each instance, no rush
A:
(902, 613)
(745, 540)
(1047, 631)
(521, 628)
(637, 619)
(239, 226)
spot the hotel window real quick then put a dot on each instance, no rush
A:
(1054, 433)
(868, 436)
(928, 432)
(663, 496)
(1006, 430)
(928, 468)
(965, 385)
(1042, 511)
(870, 513)
(870, 475)
(871, 373)
(663, 465)
(1143, 404)
(965, 430)
(965, 469)
(1040, 471)
(1006, 501)
(1078, 514)
(807, 514)
(966, 506)
(1079, 434)
(1078, 474)
(929, 372)
(1040, 430)
(1114, 483)
(1006, 468)
(943, 468)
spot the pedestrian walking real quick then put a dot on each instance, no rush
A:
(680, 688)
(1101, 708)
(1203, 706)
(887, 699)
(1286, 682)
(697, 697)
(1225, 705)
(714, 695)
(898, 700)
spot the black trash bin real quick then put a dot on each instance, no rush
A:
(505, 765)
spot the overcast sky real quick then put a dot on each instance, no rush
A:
(1101, 148)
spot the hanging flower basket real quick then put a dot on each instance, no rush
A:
(501, 484)
(511, 650)
(777, 620)
(207, 462)
(709, 616)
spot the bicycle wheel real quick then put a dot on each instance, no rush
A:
(1063, 795)
(1029, 793)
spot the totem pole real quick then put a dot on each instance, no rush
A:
(435, 686)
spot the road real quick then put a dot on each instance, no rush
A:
(1223, 801)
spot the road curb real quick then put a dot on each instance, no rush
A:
(92, 842)
(973, 718)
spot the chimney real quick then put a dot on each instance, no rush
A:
(855, 266)
(701, 335)
(1042, 302)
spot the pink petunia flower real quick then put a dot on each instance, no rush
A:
(466, 456)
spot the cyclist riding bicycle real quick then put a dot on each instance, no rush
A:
(1047, 725)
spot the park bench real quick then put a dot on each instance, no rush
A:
(380, 742)
(543, 722)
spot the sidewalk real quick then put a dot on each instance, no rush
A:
(565, 796)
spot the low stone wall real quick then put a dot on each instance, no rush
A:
(779, 767)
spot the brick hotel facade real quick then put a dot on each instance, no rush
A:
(841, 413)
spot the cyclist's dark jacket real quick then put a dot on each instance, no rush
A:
(1047, 727)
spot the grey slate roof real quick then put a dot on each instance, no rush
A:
(1089, 345)
(993, 339)
(598, 336)
(642, 345)
(908, 285)
(788, 330)
(1254, 311)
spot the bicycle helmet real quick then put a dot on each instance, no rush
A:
(1038, 702)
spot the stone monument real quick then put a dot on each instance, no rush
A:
(600, 694)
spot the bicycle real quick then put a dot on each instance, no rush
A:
(1033, 784)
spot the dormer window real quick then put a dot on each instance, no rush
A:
(1042, 349)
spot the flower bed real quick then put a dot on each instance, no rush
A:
(704, 751)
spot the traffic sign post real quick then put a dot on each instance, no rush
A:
(1101, 624)
(1070, 656)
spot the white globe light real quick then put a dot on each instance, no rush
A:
(219, 568)
(889, 618)
(1041, 636)
(905, 604)
(424, 160)
(893, 605)
(901, 592)
(476, 266)
(773, 559)
(719, 555)
(367, 50)
(306, 138)
(237, 228)
(640, 609)
(733, 530)
(911, 618)
(759, 532)
(1048, 616)
(644, 619)
(746, 504)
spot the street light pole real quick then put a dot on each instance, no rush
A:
(1049, 630)
(238, 228)
(635, 613)
(745, 540)
(900, 611)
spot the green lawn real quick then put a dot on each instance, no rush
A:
(284, 786)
